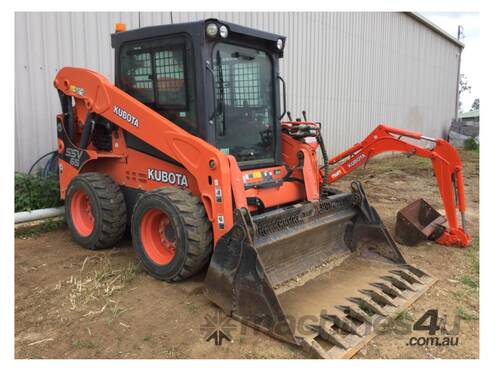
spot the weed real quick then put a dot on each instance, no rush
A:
(471, 144)
(404, 316)
(44, 227)
(84, 344)
(130, 271)
(460, 294)
(462, 313)
(34, 192)
(470, 281)
(473, 252)
(116, 311)
(99, 285)
(148, 338)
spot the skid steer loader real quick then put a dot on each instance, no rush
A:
(190, 150)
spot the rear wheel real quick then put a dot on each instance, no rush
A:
(96, 212)
(171, 233)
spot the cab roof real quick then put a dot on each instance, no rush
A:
(196, 28)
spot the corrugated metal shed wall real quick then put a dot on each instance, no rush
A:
(349, 70)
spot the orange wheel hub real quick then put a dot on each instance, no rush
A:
(81, 213)
(158, 236)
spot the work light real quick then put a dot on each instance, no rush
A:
(223, 31)
(212, 29)
(279, 44)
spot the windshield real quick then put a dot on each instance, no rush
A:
(244, 103)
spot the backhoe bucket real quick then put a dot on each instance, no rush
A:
(319, 275)
(418, 222)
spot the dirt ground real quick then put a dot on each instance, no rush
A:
(73, 303)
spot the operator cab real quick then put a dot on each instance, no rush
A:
(217, 80)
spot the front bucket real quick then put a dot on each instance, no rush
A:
(317, 275)
(418, 222)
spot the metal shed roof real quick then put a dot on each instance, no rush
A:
(470, 114)
(435, 28)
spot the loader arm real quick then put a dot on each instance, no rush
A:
(445, 162)
(206, 163)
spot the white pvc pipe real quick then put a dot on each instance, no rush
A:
(44, 213)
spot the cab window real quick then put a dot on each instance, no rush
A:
(160, 74)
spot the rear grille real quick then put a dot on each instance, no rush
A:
(101, 138)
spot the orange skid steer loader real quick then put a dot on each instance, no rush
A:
(188, 148)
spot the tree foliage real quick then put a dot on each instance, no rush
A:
(463, 86)
(475, 105)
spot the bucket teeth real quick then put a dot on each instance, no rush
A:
(329, 335)
(367, 305)
(399, 282)
(354, 322)
(378, 297)
(387, 288)
(342, 323)
(311, 345)
(416, 271)
(408, 276)
(356, 313)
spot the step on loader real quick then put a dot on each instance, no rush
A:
(190, 148)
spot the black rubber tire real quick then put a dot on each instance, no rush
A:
(108, 208)
(192, 228)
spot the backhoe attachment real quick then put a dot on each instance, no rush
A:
(418, 220)
(321, 275)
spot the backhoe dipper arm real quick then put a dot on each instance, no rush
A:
(445, 161)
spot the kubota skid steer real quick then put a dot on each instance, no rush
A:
(189, 150)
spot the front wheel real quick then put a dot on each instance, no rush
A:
(171, 233)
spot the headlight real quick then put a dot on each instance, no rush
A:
(279, 44)
(223, 31)
(212, 29)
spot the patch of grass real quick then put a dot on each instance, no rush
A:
(130, 271)
(148, 338)
(473, 252)
(44, 227)
(460, 294)
(471, 144)
(96, 285)
(465, 315)
(472, 278)
(404, 316)
(84, 344)
(470, 281)
(34, 191)
(116, 312)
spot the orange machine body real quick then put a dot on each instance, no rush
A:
(215, 177)
(195, 164)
